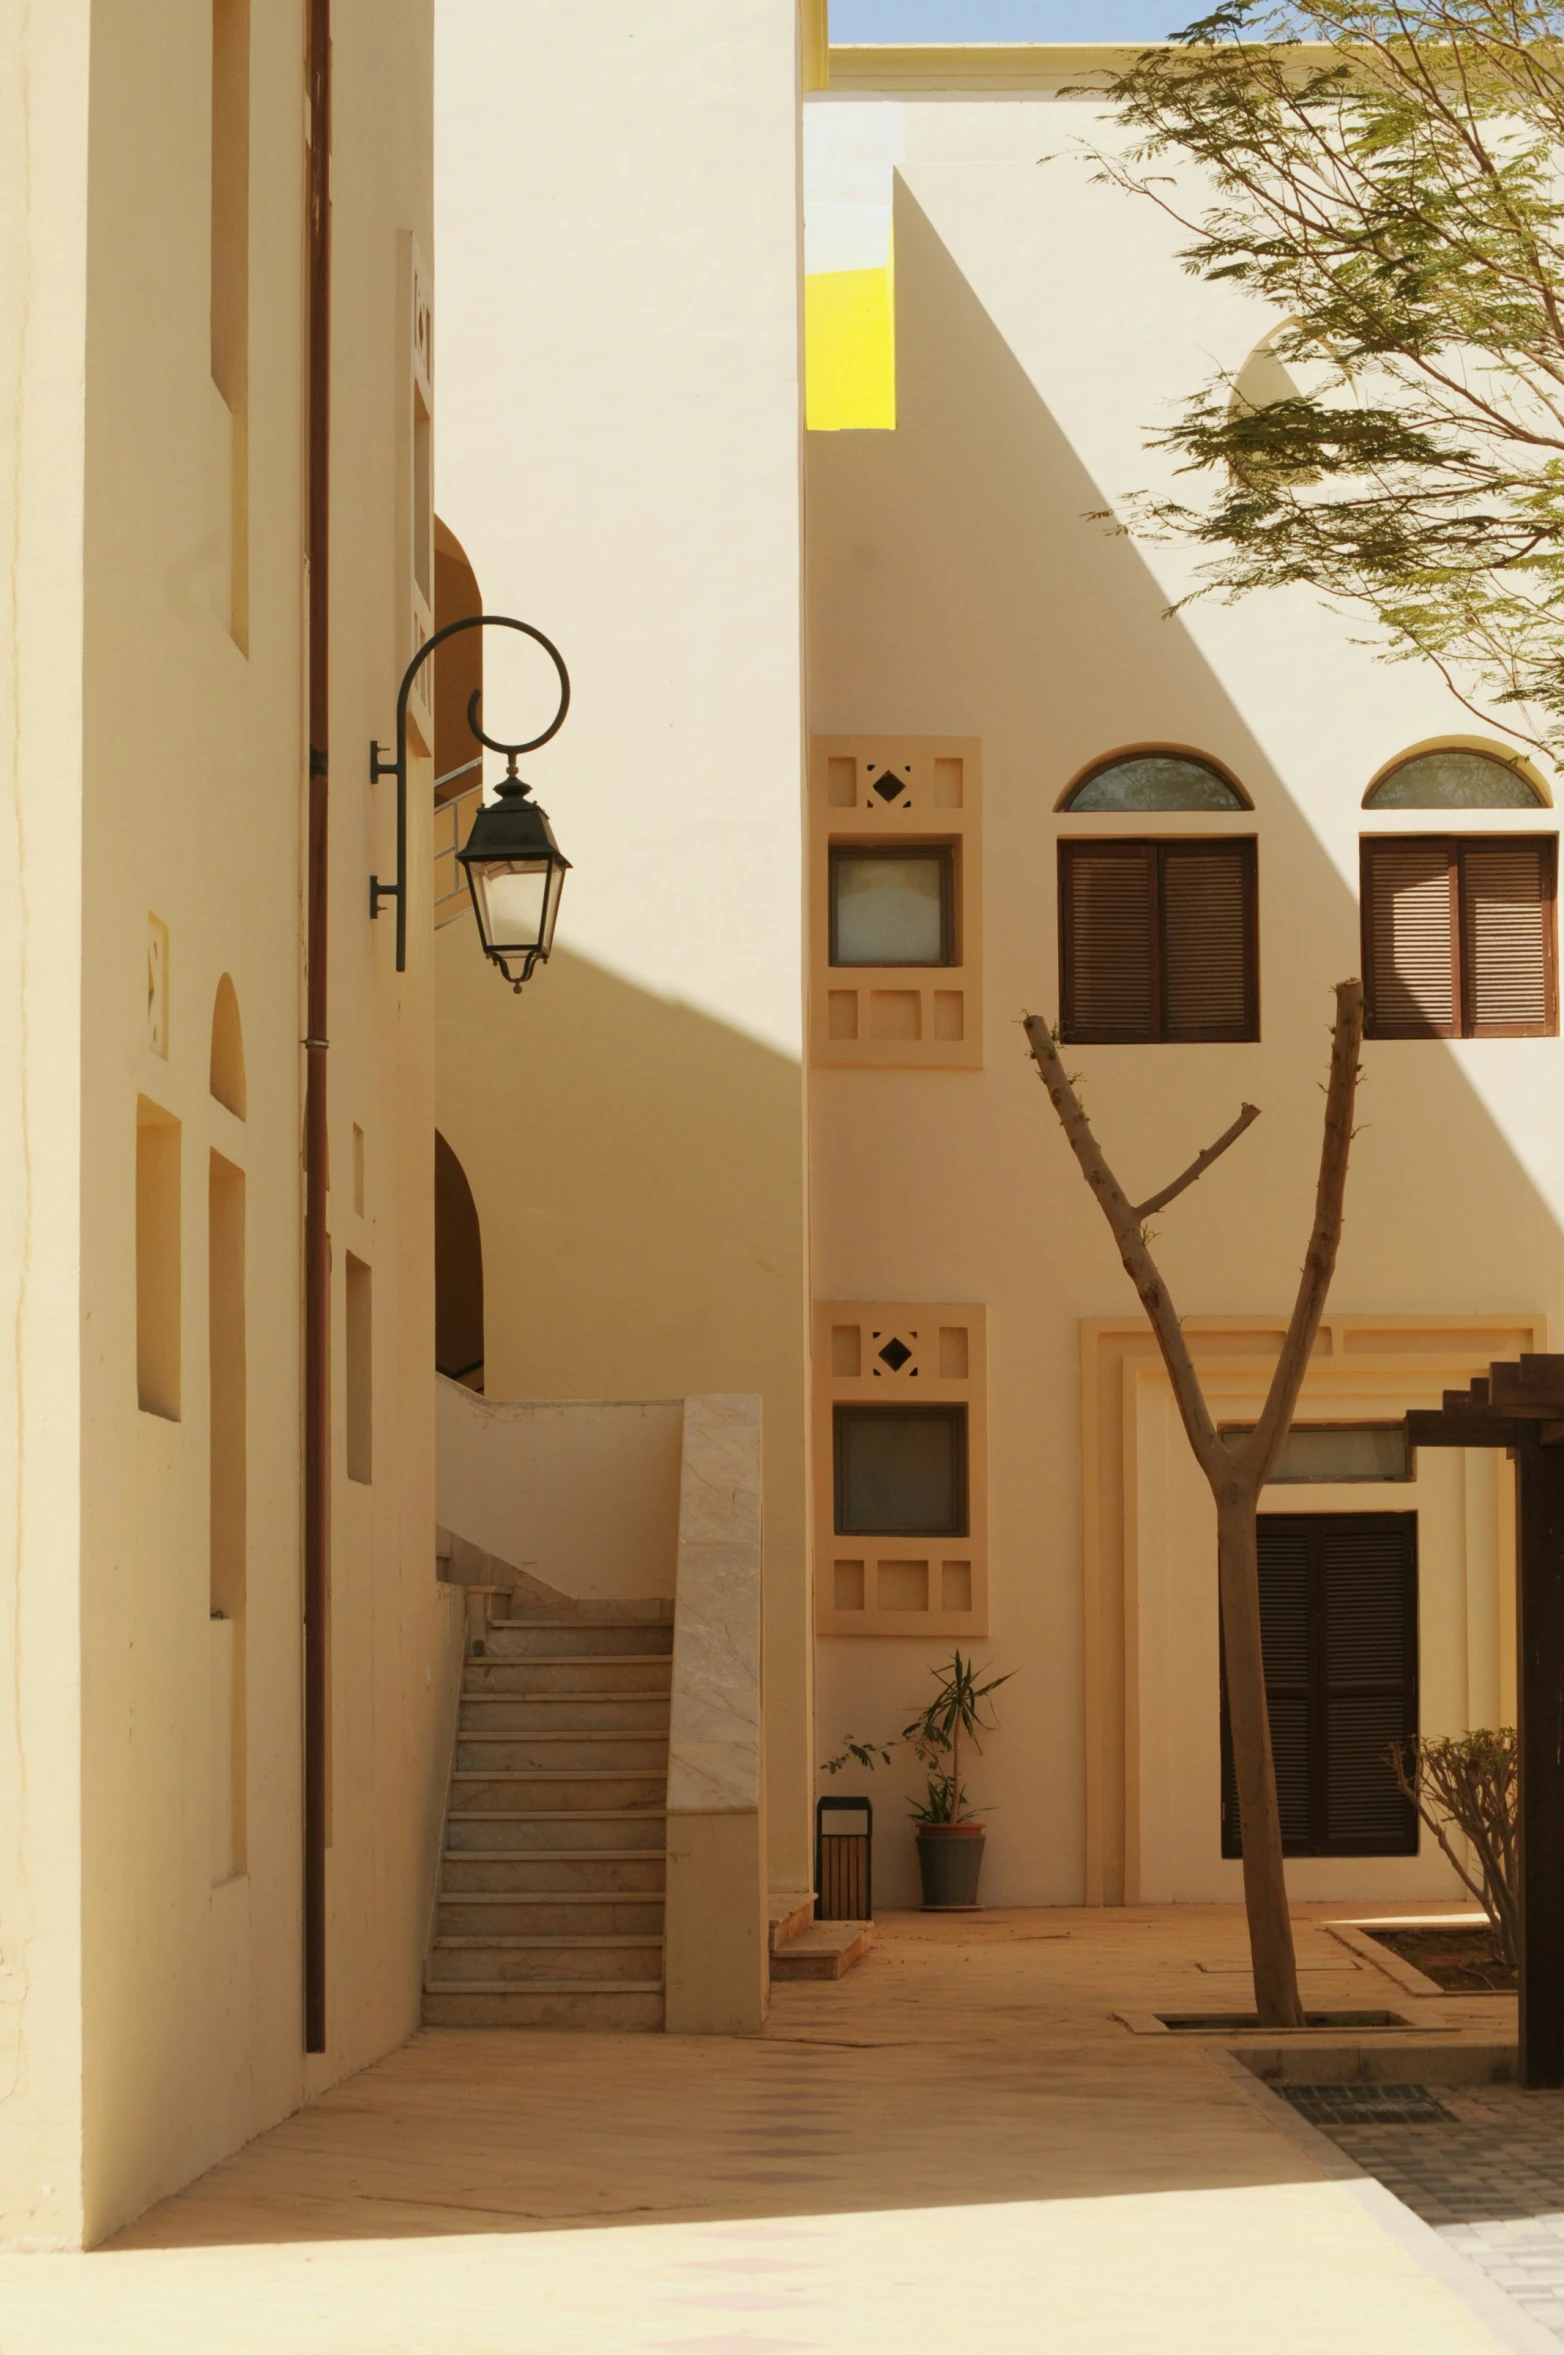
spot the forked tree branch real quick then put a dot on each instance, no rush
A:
(1253, 1460)
(1125, 1221)
(1260, 1450)
(1201, 1163)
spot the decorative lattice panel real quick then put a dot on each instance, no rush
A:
(931, 1358)
(898, 792)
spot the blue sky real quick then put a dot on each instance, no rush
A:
(1011, 20)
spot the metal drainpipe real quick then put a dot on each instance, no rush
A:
(317, 1250)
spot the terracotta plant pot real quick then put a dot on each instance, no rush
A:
(950, 1858)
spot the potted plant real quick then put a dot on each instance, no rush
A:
(950, 1841)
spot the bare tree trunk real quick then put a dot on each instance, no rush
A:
(1276, 1996)
(1237, 1475)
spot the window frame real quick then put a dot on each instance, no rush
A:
(946, 849)
(1318, 1693)
(1456, 846)
(1158, 847)
(953, 1413)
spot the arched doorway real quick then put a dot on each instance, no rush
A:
(458, 1272)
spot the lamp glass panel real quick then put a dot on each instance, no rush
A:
(556, 884)
(890, 910)
(901, 1471)
(511, 902)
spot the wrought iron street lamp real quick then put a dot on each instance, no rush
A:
(515, 872)
(515, 869)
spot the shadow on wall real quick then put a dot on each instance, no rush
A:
(637, 1169)
(956, 586)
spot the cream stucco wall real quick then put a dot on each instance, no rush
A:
(957, 588)
(582, 1495)
(151, 2020)
(43, 291)
(619, 457)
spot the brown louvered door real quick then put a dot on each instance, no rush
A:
(1338, 1624)
(1108, 928)
(1410, 937)
(1158, 941)
(1508, 936)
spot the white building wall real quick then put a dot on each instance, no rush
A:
(619, 456)
(958, 587)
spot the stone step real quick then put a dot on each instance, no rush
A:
(606, 2010)
(554, 1872)
(485, 1791)
(489, 1913)
(589, 1750)
(502, 1961)
(541, 1829)
(621, 1713)
(788, 1912)
(543, 1639)
(825, 1950)
(594, 1872)
(565, 1672)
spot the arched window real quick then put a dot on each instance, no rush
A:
(458, 1272)
(1155, 781)
(226, 1069)
(1454, 778)
(1264, 379)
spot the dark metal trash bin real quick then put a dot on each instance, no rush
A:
(844, 1885)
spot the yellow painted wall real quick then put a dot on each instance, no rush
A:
(956, 588)
(850, 349)
(154, 2018)
(619, 457)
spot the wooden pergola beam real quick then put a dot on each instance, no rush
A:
(1520, 1406)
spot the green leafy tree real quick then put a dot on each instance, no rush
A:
(1386, 176)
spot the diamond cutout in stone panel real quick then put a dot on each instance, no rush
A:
(887, 787)
(895, 1354)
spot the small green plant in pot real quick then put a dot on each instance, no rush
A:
(950, 1840)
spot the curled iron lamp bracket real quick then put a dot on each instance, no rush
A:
(380, 767)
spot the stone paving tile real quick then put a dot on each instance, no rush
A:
(1490, 2182)
(959, 2145)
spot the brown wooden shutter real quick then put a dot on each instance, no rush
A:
(1507, 936)
(1368, 1698)
(1409, 937)
(1157, 940)
(1107, 894)
(1208, 941)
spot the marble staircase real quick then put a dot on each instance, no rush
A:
(550, 1904)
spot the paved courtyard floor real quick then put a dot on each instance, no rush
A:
(960, 2145)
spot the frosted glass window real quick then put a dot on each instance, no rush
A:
(1155, 781)
(1338, 1451)
(1453, 780)
(892, 906)
(901, 1471)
